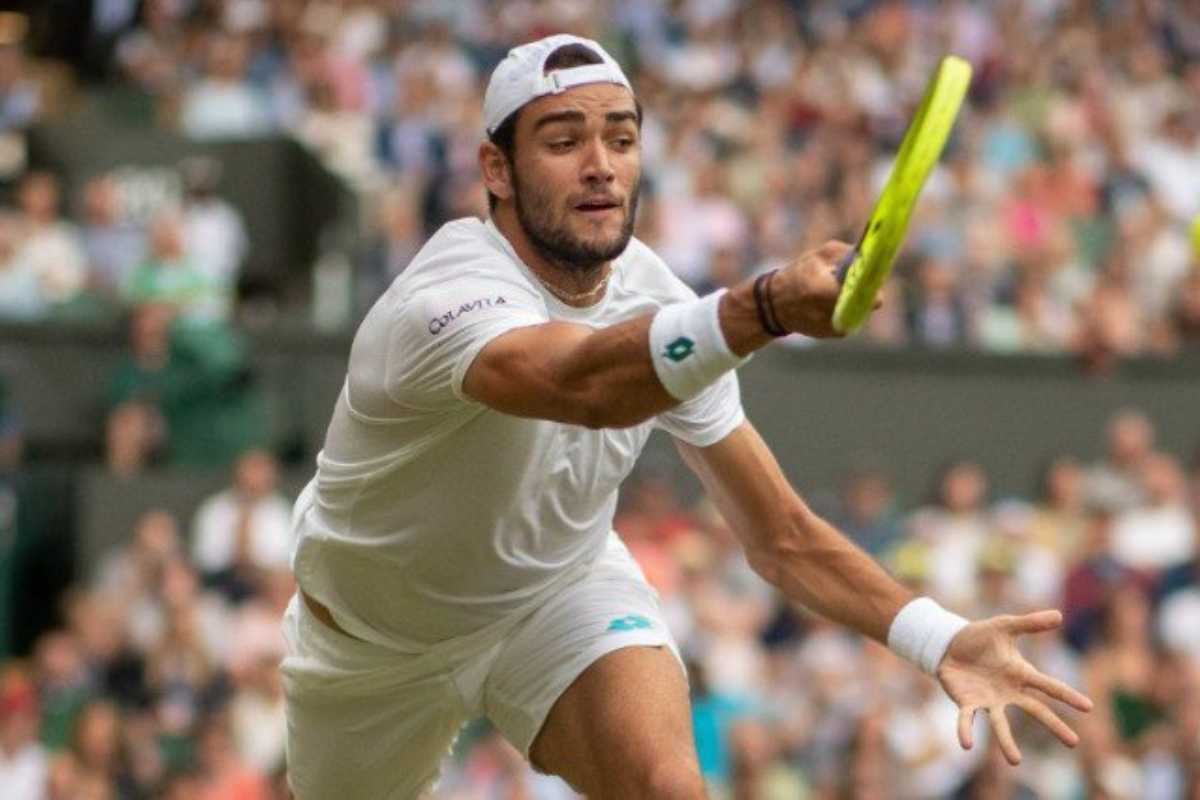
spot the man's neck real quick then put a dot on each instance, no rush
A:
(574, 287)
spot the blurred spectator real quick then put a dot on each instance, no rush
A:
(152, 54)
(1170, 159)
(923, 739)
(244, 529)
(214, 233)
(1123, 676)
(1185, 314)
(223, 773)
(867, 513)
(133, 435)
(954, 531)
(1060, 519)
(113, 245)
(398, 240)
(23, 761)
(48, 243)
(64, 686)
(937, 316)
(22, 296)
(192, 392)
(169, 275)
(224, 104)
(1161, 533)
(20, 98)
(1119, 479)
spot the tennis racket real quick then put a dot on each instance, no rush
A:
(866, 267)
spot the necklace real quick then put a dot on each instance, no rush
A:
(569, 297)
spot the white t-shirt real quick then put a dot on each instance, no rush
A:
(432, 516)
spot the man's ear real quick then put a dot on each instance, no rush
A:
(497, 172)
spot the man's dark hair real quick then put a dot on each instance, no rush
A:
(565, 57)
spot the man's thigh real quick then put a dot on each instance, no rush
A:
(592, 680)
(623, 729)
(362, 722)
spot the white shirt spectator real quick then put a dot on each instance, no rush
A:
(1179, 623)
(216, 239)
(215, 531)
(1154, 537)
(54, 253)
(213, 110)
(23, 773)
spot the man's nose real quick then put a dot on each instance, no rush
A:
(597, 166)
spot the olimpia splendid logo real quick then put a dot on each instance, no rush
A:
(680, 349)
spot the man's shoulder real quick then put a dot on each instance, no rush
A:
(461, 249)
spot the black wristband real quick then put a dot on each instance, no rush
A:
(764, 306)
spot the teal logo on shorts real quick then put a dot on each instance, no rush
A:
(630, 622)
(680, 349)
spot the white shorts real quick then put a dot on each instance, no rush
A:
(367, 722)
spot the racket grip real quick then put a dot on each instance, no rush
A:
(845, 264)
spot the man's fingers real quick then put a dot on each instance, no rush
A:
(1037, 622)
(1039, 711)
(966, 738)
(834, 251)
(1059, 690)
(1004, 736)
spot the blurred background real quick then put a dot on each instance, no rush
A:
(200, 198)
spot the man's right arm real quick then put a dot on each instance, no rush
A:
(606, 377)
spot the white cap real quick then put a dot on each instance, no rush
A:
(522, 77)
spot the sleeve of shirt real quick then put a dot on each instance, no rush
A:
(709, 416)
(442, 329)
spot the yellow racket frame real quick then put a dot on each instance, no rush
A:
(868, 265)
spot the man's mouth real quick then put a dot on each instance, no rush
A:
(597, 206)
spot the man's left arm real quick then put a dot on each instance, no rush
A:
(812, 563)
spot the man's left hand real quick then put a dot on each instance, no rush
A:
(983, 670)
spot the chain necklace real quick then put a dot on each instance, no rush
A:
(569, 297)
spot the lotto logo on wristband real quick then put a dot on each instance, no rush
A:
(680, 349)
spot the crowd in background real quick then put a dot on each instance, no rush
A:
(1058, 221)
(162, 680)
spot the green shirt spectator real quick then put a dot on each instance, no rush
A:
(169, 276)
(198, 380)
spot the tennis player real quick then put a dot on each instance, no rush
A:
(455, 551)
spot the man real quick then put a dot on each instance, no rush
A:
(455, 554)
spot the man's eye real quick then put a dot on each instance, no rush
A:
(561, 144)
(624, 142)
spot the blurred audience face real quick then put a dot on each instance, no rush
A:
(58, 661)
(101, 204)
(1163, 480)
(166, 238)
(227, 58)
(129, 439)
(964, 488)
(156, 538)
(1129, 617)
(868, 496)
(39, 197)
(18, 713)
(255, 475)
(97, 737)
(1064, 484)
(1130, 439)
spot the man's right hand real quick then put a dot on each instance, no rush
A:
(805, 292)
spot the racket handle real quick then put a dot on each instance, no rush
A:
(845, 263)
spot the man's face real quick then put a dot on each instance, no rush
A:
(576, 174)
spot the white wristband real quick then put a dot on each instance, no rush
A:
(922, 631)
(687, 346)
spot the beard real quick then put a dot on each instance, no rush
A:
(555, 243)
